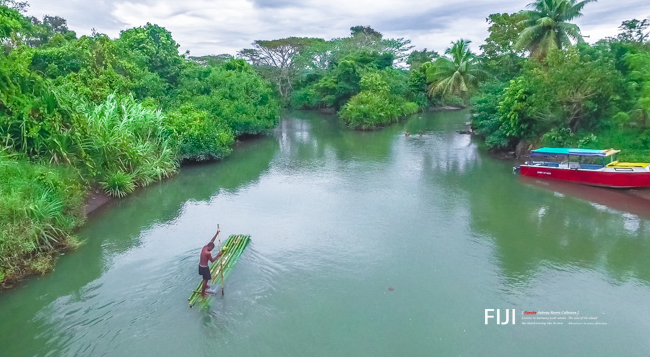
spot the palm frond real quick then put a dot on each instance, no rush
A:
(547, 25)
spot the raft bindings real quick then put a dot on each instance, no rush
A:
(219, 269)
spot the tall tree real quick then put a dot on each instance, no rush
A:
(417, 58)
(504, 30)
(547, 26)
(499, 55)
(634, 31)
(20, 6)
(211, 60)
(11, 22)
(276, 59)
(365, 30)
(43, 31)
(456, 73)
(153, 47)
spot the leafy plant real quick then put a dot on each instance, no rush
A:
(548, 27)
(375, 106)
(118, 183)
(40, 206)
(456, 73)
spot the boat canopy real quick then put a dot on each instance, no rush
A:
(577, 152)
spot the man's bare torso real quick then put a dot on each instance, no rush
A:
(205, 256)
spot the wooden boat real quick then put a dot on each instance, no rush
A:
(587, 166)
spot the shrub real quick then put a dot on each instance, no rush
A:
(409, 108)
(560, 137)
(40, 205)
(375, 105)
(231, 93)
(307, 97)
(118, 183)
(369, 110)
(126, 140)
(199, 135)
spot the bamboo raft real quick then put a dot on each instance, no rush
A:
(220, 268)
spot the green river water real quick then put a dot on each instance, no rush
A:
(338, 217)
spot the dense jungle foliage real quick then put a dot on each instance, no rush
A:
(547, 87)
(364, 77)
(93, 112)
(536, 82)
(117, 114)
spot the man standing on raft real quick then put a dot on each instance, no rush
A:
(204, 267)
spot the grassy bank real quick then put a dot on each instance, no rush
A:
(40, 206)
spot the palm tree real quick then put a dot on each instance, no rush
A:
(547, 26)
(457, 72)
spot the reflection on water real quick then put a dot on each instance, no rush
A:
(338, 217)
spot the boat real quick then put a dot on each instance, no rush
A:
(586, 166)
(221, 268)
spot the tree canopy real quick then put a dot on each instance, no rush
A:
(547, 26)
(457, 72)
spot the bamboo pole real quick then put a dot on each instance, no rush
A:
(222, 253)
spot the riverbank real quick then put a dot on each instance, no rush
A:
(78, 204)
(96, 198)
(430, 216)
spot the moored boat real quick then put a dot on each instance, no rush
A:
(587, 166)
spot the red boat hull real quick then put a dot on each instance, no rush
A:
(589, 177)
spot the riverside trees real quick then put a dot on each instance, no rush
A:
(458, 72)
(567, 93)
(314, 73)
(547, 26)
(115, 114)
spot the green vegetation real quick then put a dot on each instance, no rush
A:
(361, 76)
(566, 92)
(117, 114)
(547, 26)
(375, 105)
(457, 74)
(40, 205)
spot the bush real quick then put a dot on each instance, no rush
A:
(559, 137)
(40, 206)
(199, 135)
(375, 105)
(232, 92)
(485, 121)
(410, 108)
(126, 141)
(307, 97)
(369, 110)
(118, 183)
(453, 100)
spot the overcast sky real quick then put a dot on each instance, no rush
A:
(226, 26)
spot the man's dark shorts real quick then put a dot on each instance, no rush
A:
(205, 273)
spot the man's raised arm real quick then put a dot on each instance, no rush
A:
(215, 236)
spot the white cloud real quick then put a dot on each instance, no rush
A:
(226, 26)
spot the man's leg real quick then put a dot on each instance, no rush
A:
(205, 285)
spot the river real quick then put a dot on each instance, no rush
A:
(363, 244)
